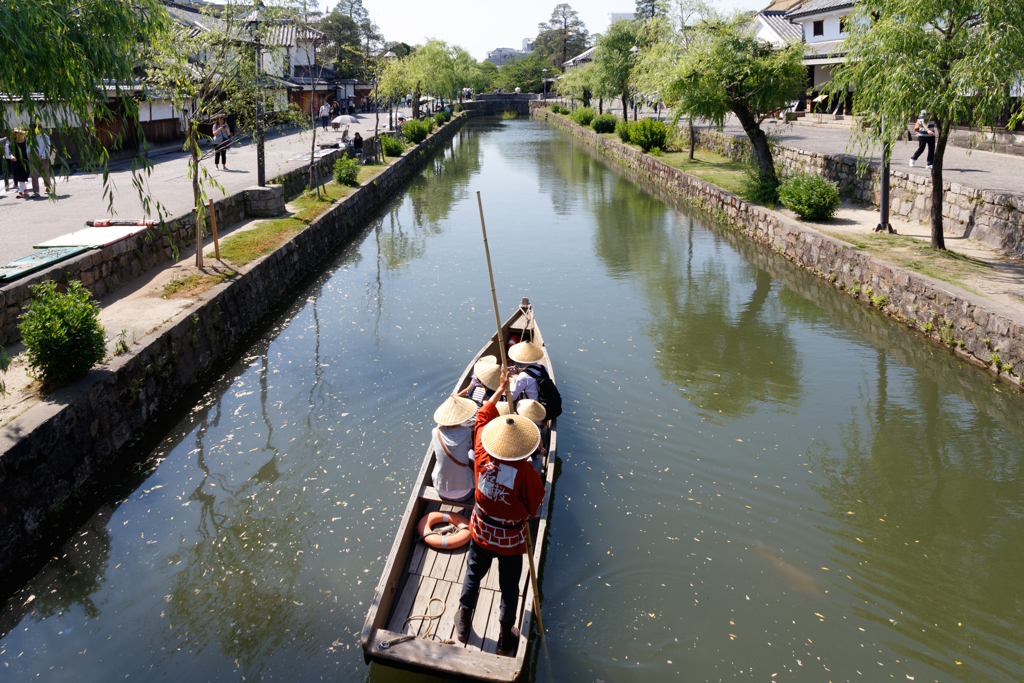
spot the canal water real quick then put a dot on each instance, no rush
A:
(759, 479)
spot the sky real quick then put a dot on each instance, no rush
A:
(483, 25)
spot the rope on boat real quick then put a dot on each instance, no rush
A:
(427, 635)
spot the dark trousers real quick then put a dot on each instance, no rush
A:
(324, 120)
(921, 143)
(510, 567)
(220, 154)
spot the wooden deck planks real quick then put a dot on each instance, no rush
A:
(480, 618)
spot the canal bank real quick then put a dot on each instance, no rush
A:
(978, 330)
(62, 446)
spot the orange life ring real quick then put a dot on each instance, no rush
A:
(440, 541)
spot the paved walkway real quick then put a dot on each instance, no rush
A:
(26, 222)
(977, 168)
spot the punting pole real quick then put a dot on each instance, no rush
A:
(494, 299)
(508, 397)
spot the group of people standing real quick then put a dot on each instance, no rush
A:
(487, 451)
(27, 156)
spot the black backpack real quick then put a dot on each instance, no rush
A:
(547, 392)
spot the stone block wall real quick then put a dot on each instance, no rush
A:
(973, 328)
(104, 270)
(993, 218)
(74, 435)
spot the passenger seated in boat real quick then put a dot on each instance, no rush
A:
(526, 372)
(535, 413)
(486, 375)
(508, 493)
(452, 444)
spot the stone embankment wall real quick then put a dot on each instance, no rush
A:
(993, 218)
(976, 329)
(64, 442)
(104, 270)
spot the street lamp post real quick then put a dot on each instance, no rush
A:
(545, 85)
(254, 20)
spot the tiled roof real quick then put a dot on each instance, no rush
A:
(816, 6)
(782, 5)
(824, 49)
(776, 20)
(584, 56)
(282, 34)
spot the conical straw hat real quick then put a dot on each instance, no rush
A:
(502, 407)
(454, 411)
(511, 437)
(489, 374)
(531, 410)
(488, 359)
(526, 352)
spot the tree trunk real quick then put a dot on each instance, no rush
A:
(600, 105)
(692, 136)
(758, 141)
(625, 106)
(938, 240)
(416, 101)
(312, 152)
(193, 147)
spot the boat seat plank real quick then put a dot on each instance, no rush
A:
(445, 658)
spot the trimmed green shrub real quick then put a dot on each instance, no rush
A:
(622, 130)
(346, 171)
(759, 187)
(393, 147)
(809, 196)
(62, 332)
(559, 109)
(415, 131)
(457, 108)
(583, 116)
(605, 123)
(648, 133)
(439, 118)
(430, 124)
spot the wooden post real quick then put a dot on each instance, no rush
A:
(199, 236)
(213, 227)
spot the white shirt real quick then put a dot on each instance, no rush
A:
(452, 481)
(325, 111)
(523, 386)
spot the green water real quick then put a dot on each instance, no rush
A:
(759, 479)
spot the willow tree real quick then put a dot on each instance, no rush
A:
(722, 69)
(960, 60)
(440, 69)
(56, 57)
(615, 58)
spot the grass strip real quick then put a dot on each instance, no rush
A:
(917, 255)
(193, 284)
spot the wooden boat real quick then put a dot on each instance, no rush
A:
(417, 577)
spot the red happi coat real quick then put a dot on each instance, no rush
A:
(507, 492)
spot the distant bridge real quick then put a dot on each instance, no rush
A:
(495, 103)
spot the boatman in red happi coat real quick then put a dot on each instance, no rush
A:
(508, 492)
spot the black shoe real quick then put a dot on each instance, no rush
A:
(463, 624)
(508, 641)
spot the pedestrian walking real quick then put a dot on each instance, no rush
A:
(925, 129)
(325, 114)
(18, 157)
(221, 142)
(40, 162)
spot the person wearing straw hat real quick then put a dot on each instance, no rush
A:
(452, 444)
(526, 356)
(534, 412)
(508, 492)
(486, 375)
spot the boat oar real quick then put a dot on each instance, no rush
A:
(508, 397)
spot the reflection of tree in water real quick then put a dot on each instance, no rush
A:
(72, 578)
(236, 585)
(948, 481)
(442, 183)
(720, 341)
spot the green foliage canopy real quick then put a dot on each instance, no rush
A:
(562, 37)
(718, 67)
(614, 60)
(958, 59)
(527, 74)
